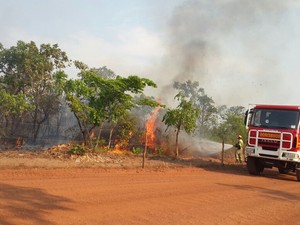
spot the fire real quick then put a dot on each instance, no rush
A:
(117, 150)
(150, 129)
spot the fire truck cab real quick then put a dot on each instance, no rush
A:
(273, 138)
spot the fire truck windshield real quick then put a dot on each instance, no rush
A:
(275, 118)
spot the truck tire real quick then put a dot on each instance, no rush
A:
(283, 170)
(298, 174)
(254, 167)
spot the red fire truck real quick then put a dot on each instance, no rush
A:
(273, 138)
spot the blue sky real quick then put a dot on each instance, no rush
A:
(122, 35)
(241, 52)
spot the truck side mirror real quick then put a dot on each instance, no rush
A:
(247, 118)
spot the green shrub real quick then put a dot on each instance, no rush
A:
(77, 150)
(137, 150)
(101, 149)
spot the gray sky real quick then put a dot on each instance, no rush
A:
(241, 51)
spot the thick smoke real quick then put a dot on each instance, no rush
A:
(233, 48)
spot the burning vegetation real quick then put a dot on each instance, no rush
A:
(100, 111)
(150, 140)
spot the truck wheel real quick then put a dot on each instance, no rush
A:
(254, 167)
(283, 170)
(298, 174)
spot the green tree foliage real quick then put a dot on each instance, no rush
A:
(95, 99)
(207, 115)
(11, 106)
(105, 72)
(231, 124)
(29, 70)
(182, 118)
(189, 89)
(127, 130)
(204, 103)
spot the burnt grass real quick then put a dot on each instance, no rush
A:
(60, 157)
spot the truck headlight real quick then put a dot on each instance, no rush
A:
(290, 155)
(250, 150)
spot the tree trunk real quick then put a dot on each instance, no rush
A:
(84, 131)
(37, 123)
(36, 131)
(34, 123)
(99, 135)
(86, 137)
(222, 155)
(145, 150)
(176, 143)
(110, 136)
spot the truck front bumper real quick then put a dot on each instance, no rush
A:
(281, 155)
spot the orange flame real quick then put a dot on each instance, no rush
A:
(150, 129)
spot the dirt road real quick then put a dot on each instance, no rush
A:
(166, 196)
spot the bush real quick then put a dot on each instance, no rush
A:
(137, 150)
(101, 149)
(77, 150)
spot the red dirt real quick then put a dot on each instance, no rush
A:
(181, 194)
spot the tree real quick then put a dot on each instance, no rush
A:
(11, 106)
(30, 70)
(199, 98)
(105, 72)
(236, 110)
(206, 117)
(77, 95)
(233, 120)
(182, 118)
(231, 125)
(126, 130)
(189, 89)
(94, 99)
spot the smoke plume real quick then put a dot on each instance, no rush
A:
(234, 48)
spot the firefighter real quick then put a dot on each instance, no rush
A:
(239, 149)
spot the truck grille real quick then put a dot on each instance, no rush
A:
(270, 149)
(270, 140)
(271, 156)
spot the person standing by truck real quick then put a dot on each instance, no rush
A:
(239, 149)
